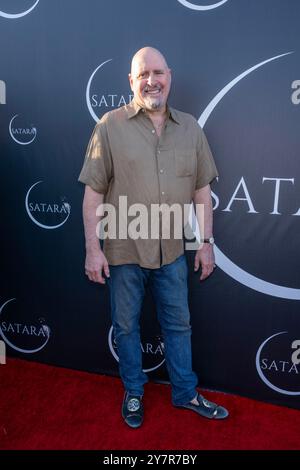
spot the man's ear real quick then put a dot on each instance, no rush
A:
(130, 80)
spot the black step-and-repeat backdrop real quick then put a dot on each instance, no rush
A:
(235, 65)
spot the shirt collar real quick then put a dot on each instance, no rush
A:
(133, 109)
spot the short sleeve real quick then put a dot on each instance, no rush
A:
(206, 167)
(97, 170)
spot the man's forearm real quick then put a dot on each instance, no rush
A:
(205, 221)
(91, 201)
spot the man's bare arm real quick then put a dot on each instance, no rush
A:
(205, 254)
(95, 260)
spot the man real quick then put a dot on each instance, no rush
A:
(152, 154)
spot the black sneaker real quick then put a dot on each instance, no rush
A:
(133, 410)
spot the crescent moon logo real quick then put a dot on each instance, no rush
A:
(223, 261)
(49, 227)
(112, 350)
(18, 15)
(16, 140)
(87, 93)
(260, 372)
(26, 351)
(192, 6)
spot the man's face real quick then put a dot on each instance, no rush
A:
(150, 81)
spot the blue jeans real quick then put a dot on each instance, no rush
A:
(168, 284)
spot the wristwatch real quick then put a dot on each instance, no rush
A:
(209, 240)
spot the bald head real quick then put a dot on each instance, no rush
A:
(147, 53)
(150, 79)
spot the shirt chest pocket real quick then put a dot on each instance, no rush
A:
(185, 162)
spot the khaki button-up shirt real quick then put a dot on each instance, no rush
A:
(126, 157)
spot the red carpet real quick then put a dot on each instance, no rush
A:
(45, 407)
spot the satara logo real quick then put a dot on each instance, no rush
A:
(20, 134)
(194, 6)
(2, 92)
(223, 261)
(153, 352)
(14, 332)
(13, 16)
(44, 211)
(99, 103)
(276, 363)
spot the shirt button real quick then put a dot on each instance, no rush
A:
(163, 193)
(153, 131)
(161, 171)
(158, 151)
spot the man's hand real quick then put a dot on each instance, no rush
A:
(95, 264)
(205, 256)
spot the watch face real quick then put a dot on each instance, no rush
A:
(211, 240)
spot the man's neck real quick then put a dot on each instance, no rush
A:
(157, 115)
(158, 119)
